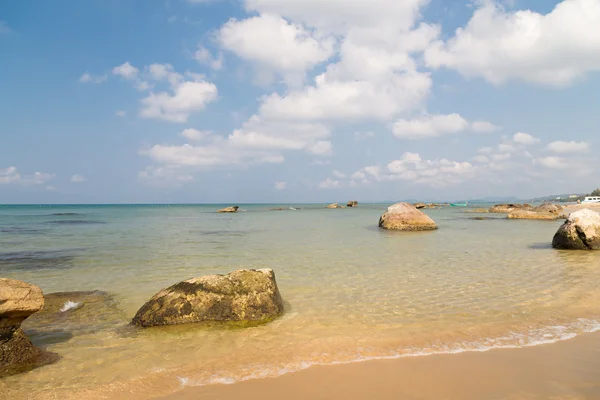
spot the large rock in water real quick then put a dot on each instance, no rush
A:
(334, 205)
(352, 203)
(18, 300)
(581, 231)
(232, 209)
(405, 217)
(546, 211)
(244, 295)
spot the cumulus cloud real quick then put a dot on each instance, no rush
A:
(89, 78)
(430, 126)
(11, 175)
(501, 45)
(553, 162)
(78, 178)
(569, 147)
(195, 134)
(276, 45)
(187, 93)
(525, 138)
(204, 57)
(330, 184)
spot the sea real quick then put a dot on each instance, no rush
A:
(352, 292)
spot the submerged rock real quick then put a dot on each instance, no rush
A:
(19, 300)
(232, 209)
(581, 231)
(508, 208)
(243, 295)
(405, 217)
(352, 203)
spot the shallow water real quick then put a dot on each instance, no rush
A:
(352, 292)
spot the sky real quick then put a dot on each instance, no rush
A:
(240, 101)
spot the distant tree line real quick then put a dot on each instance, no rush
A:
(595, 193)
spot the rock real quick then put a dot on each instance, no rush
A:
(508, 208)
(479, 210)
(481, 218)
(523, 214)
(352, 203)
(548, 208)
(19, 300)
(244, 295)
(419, 206)
(581, 231)
(406, 217)
(334, 205)
(228, 209)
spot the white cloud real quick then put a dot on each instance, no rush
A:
(338, 174)
(280, 185)
(430, 126)
(78, 178)
(553, 162)
(195, 134)
(484, 127)
(330, 184)
(89, 78)
(411, 167)
(569, 147)
(187, 97)
(9, 175)
(126, 71)
(500, 45)
(481, 159)
(276, 45)
(321, 148)
(121, 114)
(525, 138)
(204, 57)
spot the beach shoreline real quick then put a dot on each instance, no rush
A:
(566, 370)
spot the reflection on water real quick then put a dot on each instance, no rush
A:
(351, 291)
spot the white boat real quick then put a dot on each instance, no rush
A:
(591, 199)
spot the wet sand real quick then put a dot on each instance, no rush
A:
(567, 370)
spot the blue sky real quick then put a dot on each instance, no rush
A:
(297, 101)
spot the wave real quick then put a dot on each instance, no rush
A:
(514, 340)
(74, 222)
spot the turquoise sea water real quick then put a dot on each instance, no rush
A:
(352, 291)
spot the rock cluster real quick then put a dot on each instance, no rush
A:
(243, 295)
(546, 211)
(581, 231)
(508, 208)
(406, 217)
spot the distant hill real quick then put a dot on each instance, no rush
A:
(560, 197)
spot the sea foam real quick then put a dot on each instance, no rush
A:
(69, 305)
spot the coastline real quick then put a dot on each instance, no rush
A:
(566, 370)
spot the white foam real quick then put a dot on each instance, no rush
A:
(69, 305)
(183, 381)
(513, 340)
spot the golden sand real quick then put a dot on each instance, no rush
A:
(568, 370)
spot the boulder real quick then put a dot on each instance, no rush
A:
(232, 209)
(581, 231)
(334, 205)
(406, 217)
(244, 295)
(352, 203)
(419, 206)
(548, 208)
(19, 300)
(523, 214)
(508, 208)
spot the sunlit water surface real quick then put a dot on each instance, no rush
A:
(352, 292)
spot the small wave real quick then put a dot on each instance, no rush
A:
(69, 305)
(65, 214)
(514, 340)
(74, 222)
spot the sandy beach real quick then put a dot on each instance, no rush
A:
(567, 370)
(576, 207)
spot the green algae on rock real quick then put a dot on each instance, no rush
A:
(243, 295)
